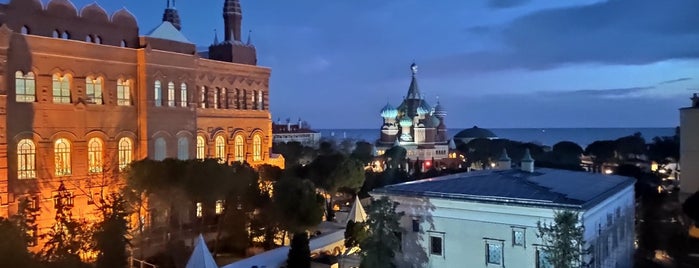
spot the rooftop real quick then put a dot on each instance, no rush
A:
(544, 187)
(168, 32)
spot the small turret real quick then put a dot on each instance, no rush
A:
(504, 162)
(171, 15)
(527, 164)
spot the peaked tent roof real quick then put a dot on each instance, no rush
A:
(201, 257)
(168, 32)
(357, 213)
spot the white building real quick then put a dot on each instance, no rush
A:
(299, 132)
(489, 218)
(689, 147)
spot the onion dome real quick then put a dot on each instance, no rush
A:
(439, 110)
(424, 108)
(432, 122)
(388, 111)
(406, 121)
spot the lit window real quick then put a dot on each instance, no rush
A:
(182, 148)
(219, 207)
(223, 99)
(254, 100)
(25, 29)
(260, 101)
(123, 92)
(171, 94)
(518, 237)
(256, 148)
(493, 252)
(201, 145)
(26, 159)
(94, 155)
(202, 98)
(158, 94)
(183, 95)
(218, 91)
(125, 152)
(61, 151)
(436, 245)
(239, 149)
(160, 149)
(200, 210)
(220, 145)
(25, 87)
(93, 89)
(542, 259)
(61, 88)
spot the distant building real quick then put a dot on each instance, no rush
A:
(300, 132)
(469, 134)
(689, 147)
(415, 126)
(489, 218)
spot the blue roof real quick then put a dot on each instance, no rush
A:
(168, 32)
(544, 187)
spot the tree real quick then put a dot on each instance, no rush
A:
(355, 233)
(567, 152)
(68, 239)
(379, 247)
(563, 240)
(110, 236)
(631, 146)
(363, 151)
(298, 204)
(664, 149)
(299, 252)
(25, 220)
(334, 171)
(13, 246)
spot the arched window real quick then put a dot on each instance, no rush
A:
(220, 152)
(98, 39)
(260, 101)
(202, 98)
(123, 43)
(158, 93)
(201, 145)
(94, 155)
(160, 149)
(93, 89)
(171, 94)
(61, 88)
(123, 92)
(61, 151)
(26, 159)
(65, 35)
(239, 149)
(25, 87)
(125, 152)
(183, 95)
(25, 30)
(88, 38)
(256, 148)
(216, 94)
(182, 148)
(55, 34)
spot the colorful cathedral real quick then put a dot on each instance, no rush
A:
(417, 127)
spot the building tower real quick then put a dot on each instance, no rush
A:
(689, 147)
(171, 15)
(232, 49)
(232, 19)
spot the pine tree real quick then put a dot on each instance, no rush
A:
(379, 248)
(563, 240)
(25, 220)
(110, 234)
(299, 252)
(68, 238)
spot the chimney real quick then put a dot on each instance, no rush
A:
(527, 164)
(288, 124)
(504, 162)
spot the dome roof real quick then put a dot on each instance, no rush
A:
(424, 108)
(475, 133)
(406, 121)
(432, 122)
(94, 12)
(388, 111)
(439, 110)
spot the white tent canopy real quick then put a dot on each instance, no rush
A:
(201, 257)
(357, 213)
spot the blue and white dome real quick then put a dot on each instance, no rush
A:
(388, 111)
(439, 110)
(424, 108)
(406, 121)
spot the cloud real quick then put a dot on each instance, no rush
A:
(607, 93)
(675, 80)
(620, 32)
(506, 3)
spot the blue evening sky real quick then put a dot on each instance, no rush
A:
(492, 63)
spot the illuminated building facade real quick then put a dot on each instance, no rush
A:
(84, 95)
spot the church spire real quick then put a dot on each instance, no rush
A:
(232, 17)
(413, 91)
(171, 15)
(249, 38)
(215, 37)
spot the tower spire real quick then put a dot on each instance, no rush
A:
(232, 17)
(171, 15)
(249, 37)
(215, 37)
(413, 91)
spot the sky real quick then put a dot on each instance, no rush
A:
(491, 63)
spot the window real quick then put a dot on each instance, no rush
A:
(254, 100)
(216, 93)
(256, 148)
(200, 210)
(202, 98)
(93, 89)
(65, 35)
(160, 149)
(260, 101)
(239, 149)
(201, 144)
(399, 237)
(55, 34)
(26, 159)
(123, 43)
(493, 252)
(220, 145)
(182, 148)
(436, 245)
(183, 95)
(237, 98)
(88, 38)
(25, 87)
(171, 94)
(94, 155)
(542, 259)
(61, 151)
(224, 99)
(123, 92)
(61, 88)
(125, 152)
(219, 207)
(416, 225)
(25, 30)
(158, 93)
(98, 39)
(518, 238)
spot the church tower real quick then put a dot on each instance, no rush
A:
(689, 147)
(232, 49)
(172, 16)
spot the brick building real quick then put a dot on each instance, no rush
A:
(83, 95)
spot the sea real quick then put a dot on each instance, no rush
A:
(542, 136)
